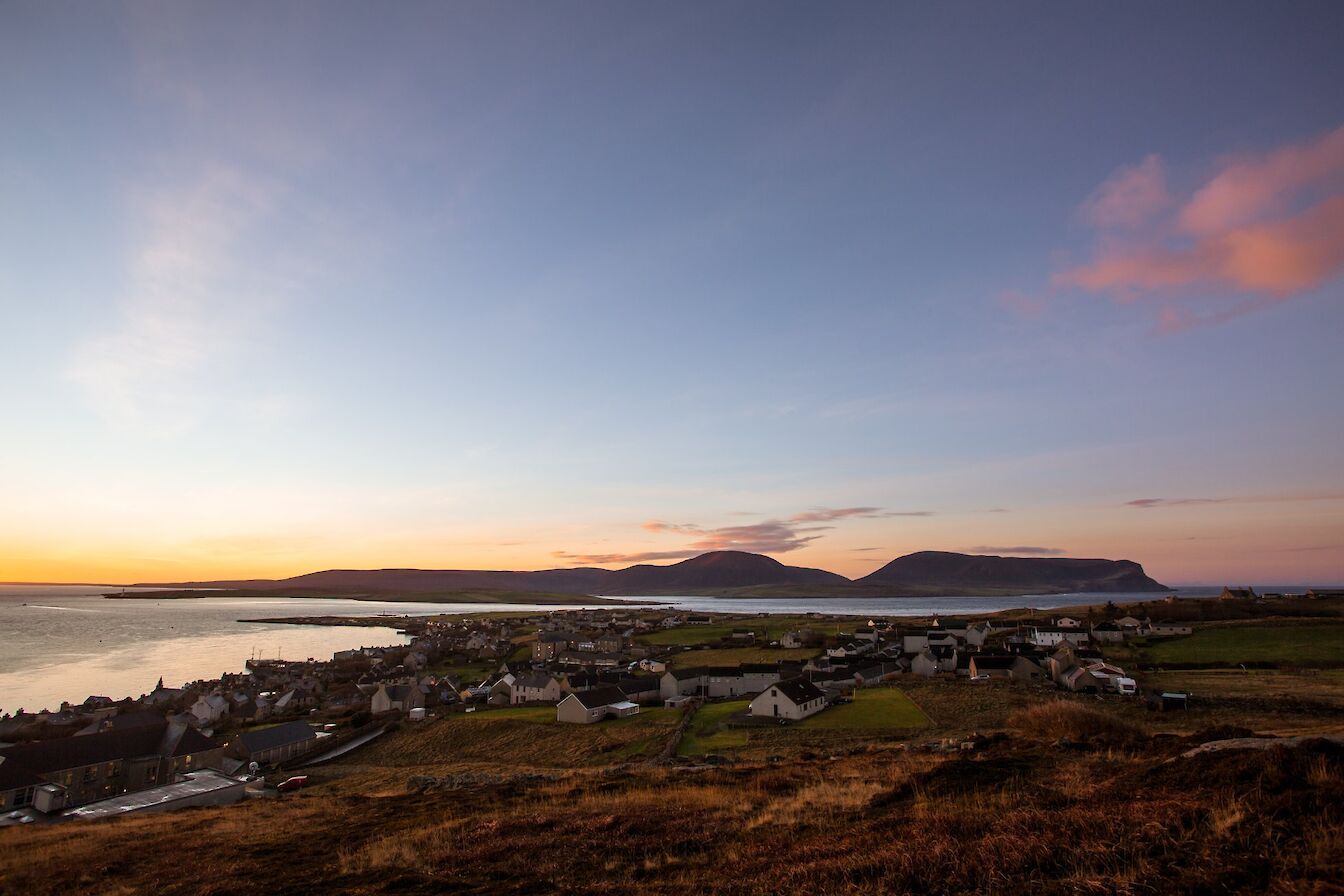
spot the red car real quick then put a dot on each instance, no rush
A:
(298, 782)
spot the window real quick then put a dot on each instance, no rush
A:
(24, 797)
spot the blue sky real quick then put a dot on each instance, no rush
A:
(509, 285)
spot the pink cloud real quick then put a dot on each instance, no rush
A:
(775, 536)
(1129, 197)
(1245, 190)
(1246, 230)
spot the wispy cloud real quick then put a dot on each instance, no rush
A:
(1130, 197)
(1019, 549)
(187, 301)
(1152, 503)
(774, 536)
(1266, 228)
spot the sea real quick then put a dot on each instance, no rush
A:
(67, 642)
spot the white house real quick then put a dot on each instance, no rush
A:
(586, 707)
(399, 697)
(210, 708)
(535, 687)
(794, 699)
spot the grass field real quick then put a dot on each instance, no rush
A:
(708, 734)
(766, 629)
(1287, 644)
(1322, 685)
(873, 709)
(862, 822)
(734, 656)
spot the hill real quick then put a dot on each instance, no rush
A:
(1025, 575)
(420, 581)
(732, 574)
(717, 569)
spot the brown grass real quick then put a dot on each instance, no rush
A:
(1067, 719)
(1023, 816)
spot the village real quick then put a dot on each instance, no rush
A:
(254, 734)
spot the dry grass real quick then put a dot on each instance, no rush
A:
(1069, 719)
(1129, 818)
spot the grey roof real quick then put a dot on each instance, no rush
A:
(799, 690)
(533, 680)
(598, 697)
(276, 736)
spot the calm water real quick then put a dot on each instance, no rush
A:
(65, 642)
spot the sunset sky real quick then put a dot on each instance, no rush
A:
(286, 287)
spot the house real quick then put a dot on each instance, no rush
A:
(1079, 680)
(1129, 623)
(791, 640)
(1168, 630)
(106, 764)
(640, 690)
(1012, 667)
(586, 707)
(210, 708)
(681, 683)
(1052, 636)
(1068, 622)
(535, 687)
(924, 663)
(795, 699)
(549, 645)
(1108, 633)
(267, 746)
(719, 681)
(396, 698)
(978, 634)
(876, 674)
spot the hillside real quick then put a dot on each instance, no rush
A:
(1026, 575)
(421, 581)
(732, 574)
(717, 569)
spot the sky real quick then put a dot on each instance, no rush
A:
(287, 287)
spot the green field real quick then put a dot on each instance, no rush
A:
(735, 656)
(766, 629)
(872, 709)
(707, 733)
(1288, 644)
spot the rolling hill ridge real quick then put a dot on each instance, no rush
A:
(923, 572)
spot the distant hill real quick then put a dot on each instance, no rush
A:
(1025, 575)
(422, 581)
(734, 573)
(717, 569)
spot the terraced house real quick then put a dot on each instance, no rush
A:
(96, 766)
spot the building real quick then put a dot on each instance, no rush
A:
(1247, 593)
(587, 707)
(210, 708)
(535, 687)
(396, 698)
(795, 699)
(267, 746)
(1012, 667)
(105, 764)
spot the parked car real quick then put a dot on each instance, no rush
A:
(298, 782)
